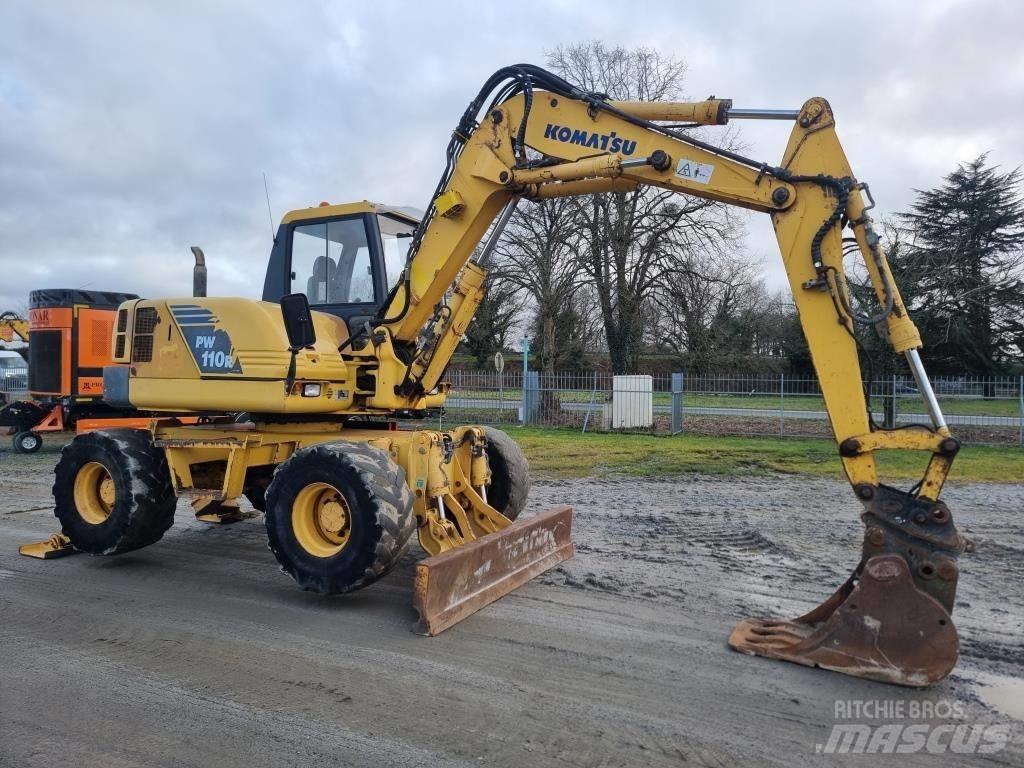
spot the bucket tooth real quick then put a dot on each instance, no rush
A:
(878, 626)
(455, 584)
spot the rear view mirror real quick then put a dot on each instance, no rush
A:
(298, 321)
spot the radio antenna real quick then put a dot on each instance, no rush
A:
(270, 215)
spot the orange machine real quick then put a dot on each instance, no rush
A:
(69, 343)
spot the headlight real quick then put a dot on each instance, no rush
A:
(311, 390)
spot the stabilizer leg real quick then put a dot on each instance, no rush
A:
(219, 512)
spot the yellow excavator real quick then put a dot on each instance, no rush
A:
(300, 395)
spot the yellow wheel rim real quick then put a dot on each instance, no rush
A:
(321, 520)
(95, 494)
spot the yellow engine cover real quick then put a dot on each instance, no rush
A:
(230, 354)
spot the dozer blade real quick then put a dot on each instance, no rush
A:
(457, 583)
(57, 545)
(878, 625)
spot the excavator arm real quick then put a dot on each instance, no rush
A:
(11, 325)
(540, 137)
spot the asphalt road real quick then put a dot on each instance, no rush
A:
(197, 651)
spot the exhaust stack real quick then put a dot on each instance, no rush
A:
(199, 272)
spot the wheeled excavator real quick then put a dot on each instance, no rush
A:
(300, 394)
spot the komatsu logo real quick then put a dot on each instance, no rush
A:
(605, 141)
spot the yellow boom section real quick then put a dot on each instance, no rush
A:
(570, 134)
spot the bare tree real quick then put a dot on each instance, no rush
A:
(499, 313)
(631, 243)
(714, 311)
(537, 254)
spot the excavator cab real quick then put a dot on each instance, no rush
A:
(345, 258)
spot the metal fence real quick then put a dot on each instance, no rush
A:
(978, 410)
(13, 385)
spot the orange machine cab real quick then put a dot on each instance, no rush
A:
(69, 341)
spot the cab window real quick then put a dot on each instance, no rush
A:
(330, 262)
(395, 235)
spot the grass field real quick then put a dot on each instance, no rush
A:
(960, 406)
(564, 453)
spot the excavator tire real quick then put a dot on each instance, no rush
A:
(339, 516)
(112, 492)
(257, 496)
(256, 485)
(510, 474)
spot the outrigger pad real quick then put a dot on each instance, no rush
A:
(457, 583)
(219, 512)
(57, 545)
(878, 625)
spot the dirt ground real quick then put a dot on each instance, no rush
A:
(198, 652)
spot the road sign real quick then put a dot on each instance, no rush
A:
(499, 362)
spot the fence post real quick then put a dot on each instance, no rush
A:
(590, 405)
(501, 396)
(782, 405)
(895, 402)
(1020, 393)
(889, 406)
(531, 396)
(677, 403)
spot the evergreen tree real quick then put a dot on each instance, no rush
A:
(961, 269)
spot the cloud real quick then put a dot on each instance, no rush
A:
(129, 131)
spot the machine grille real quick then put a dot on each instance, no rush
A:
(142, 349)
(101, 338)
(45, 361)
(146, 320)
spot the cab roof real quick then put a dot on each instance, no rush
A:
(325, 210)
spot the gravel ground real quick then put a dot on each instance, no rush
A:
(197, 651)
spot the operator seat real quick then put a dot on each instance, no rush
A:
(321, 281)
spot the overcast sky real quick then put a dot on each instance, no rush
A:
(130, 131)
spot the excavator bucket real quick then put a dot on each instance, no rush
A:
(455, 584)
(871, 627)
(891, 620)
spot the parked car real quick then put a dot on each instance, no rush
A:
(13, 376)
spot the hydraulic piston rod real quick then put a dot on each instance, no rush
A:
(925, 388)
(763, 114)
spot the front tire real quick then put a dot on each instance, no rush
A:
(339, 516)
(27, 442)
(510, 474)
(112, 492)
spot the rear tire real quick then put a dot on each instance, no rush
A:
(256, 484)
(257, 496)
(112, 491)
(27, 442)
(339, 516)
(510, 474)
